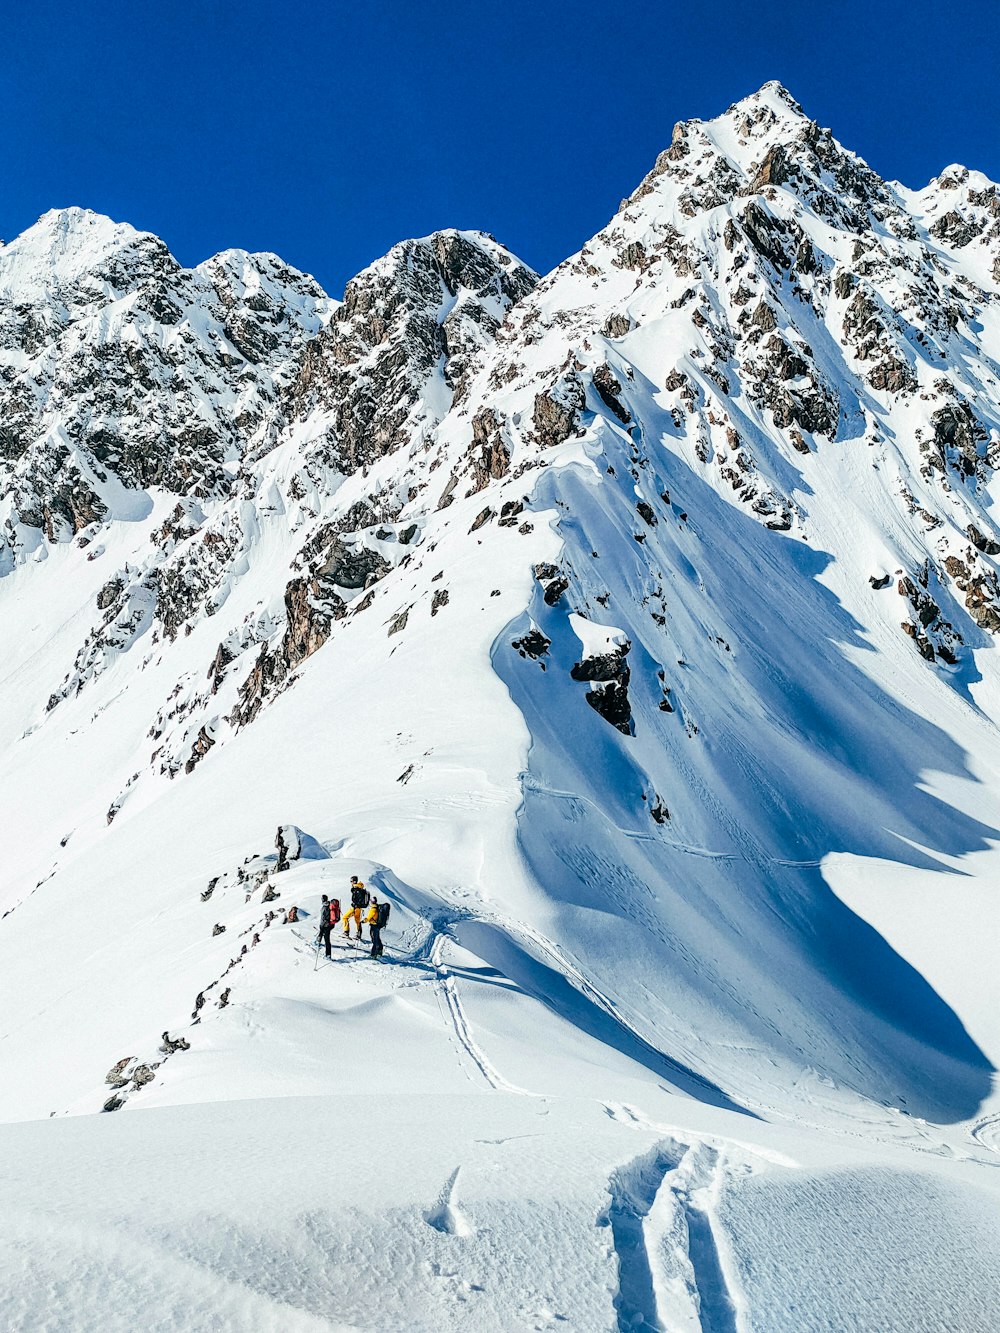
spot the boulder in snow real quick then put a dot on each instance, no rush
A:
(295, 845)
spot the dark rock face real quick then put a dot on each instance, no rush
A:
(288, 841)
(223, 657)
(311, 607)
(510, 511)
(172, 1044)
(120, 1074)
(893, 376)
(557, 411)
(608, 389)
(135, 391)
(202, 745)
(934, 635)
(554, 590)
(765, 233)
(448, 494)
(844, 283)
(764, 318)
(926, 608)
(981, 589)
(773, 170)
(988, 545)
(607, 666)
(610, 674)
(611, 701)
(491, 456)
(658, 811)
(60, 501)
(385, 341)
(955, 229)
(787, 363)
(616, 326)
(957, 434)
(534, 644)
(109, 593)
(350, 567)
(792, 388)
(633, 255)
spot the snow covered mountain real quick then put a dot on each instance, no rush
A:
(633, 631)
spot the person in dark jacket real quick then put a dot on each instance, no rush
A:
(377, 925)
(360, 899)
(371, 916)
(329, 915)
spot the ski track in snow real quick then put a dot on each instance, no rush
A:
(451, 1005)
(986, 1133)
(531, 784)
(673, 1273)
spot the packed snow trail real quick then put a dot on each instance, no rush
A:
(452, 1003)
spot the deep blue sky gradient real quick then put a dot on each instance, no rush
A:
(326, 132)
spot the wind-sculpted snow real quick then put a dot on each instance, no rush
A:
(776, 752)
(632, 632)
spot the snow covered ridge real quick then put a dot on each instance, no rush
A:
(631, 630)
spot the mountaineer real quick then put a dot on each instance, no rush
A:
(329, 915)
(377, 926)
(360, 899)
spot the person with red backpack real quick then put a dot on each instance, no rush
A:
(360, 898)
(329, 915)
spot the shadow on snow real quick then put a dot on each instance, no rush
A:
(717, 929)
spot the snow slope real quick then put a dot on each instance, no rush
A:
(632, 631)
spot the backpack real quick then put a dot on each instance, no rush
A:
(360, 897)
(334, 911)
(383, 915)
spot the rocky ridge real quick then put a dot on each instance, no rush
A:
(763, 305)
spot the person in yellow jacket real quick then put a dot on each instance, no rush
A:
(371, 916)
(359, 901)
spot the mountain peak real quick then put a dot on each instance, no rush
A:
(63, 245)
(775, 95)
(771, 112)
(73, 227)
(762, 142)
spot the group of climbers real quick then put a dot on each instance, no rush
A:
(365, 909)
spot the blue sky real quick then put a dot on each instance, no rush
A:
(326, 131)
